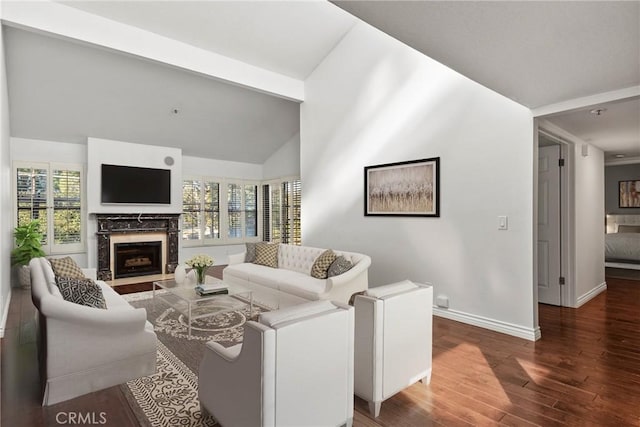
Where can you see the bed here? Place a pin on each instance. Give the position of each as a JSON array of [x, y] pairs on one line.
[[622, 241]]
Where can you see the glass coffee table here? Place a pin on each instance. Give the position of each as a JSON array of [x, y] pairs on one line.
[[184, 299]]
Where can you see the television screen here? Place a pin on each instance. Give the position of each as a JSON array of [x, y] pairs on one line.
[[128, 184]]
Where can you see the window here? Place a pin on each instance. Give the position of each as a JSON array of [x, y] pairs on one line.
[[210, 216], [52, 193], [281, 211], [191, 207]]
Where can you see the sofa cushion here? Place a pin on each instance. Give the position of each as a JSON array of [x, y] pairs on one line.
[[298, 258], [300, 285], [66, 267], [322, 264], [338, 266], [628, 228], [81, 291], [267, 254], [265, 276]]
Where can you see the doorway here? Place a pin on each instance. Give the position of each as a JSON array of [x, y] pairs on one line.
[[549, 238], [553, 220]]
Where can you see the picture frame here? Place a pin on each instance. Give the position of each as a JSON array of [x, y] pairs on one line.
[[410, 188], [629, 194]]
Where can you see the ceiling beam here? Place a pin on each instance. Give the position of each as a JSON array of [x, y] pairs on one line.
[[67, 22], [587, 101]]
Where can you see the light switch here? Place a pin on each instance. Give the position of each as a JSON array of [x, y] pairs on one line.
[[503, 223]]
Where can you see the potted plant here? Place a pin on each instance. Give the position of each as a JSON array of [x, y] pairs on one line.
[[28, 245]]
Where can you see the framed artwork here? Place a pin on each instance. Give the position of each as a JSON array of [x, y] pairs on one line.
[[629, 194], [409, 188]]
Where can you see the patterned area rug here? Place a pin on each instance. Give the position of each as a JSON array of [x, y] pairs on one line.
[[170, 396]]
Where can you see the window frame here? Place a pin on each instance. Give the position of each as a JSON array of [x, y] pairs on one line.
[[52, 248], [223, 211], [292, 239]]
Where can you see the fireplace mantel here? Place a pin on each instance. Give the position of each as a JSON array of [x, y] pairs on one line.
[[109, 224]]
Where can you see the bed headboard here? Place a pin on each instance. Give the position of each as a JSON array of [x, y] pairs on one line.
[[614, 220]]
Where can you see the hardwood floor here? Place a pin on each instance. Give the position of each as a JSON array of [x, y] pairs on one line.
[[584, 371]]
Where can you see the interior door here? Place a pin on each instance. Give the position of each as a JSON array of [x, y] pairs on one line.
[[549, 225]]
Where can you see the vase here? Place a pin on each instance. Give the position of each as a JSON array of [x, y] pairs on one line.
[[200, 274], [24, 276], [180, 274]]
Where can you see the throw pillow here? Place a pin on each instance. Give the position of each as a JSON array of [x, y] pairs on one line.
[[339, 266], [81, 291], [629, 228], [267, 254], [66, 267], [250, 255], [322, 263]]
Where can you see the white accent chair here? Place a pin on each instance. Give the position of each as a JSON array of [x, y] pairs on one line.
[[294, 368], [84, 349], [393, 340]]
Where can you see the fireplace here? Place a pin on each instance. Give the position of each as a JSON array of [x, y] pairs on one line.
[[137, 259], [133, 230]]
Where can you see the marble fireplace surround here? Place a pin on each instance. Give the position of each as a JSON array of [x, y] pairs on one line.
[[140, 227]]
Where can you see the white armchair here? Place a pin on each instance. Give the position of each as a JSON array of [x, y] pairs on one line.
[[393, 339], [294, 368]]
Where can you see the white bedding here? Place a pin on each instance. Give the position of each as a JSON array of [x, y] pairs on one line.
[[622, 246]]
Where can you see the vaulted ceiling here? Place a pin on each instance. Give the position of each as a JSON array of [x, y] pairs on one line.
[[536, 53]]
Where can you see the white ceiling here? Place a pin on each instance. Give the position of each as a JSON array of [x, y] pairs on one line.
[[536, 53], [288, 37], [616, 130]]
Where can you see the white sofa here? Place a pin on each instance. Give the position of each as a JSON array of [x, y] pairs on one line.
[[291, 283], [294, 368], [393, 340], [84, 349]]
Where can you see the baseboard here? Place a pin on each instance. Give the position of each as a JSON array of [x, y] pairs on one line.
[[627, 266], [583, 299], [5, 314], [532, 334]]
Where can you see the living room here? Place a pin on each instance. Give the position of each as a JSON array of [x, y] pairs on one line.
[[370, 100]]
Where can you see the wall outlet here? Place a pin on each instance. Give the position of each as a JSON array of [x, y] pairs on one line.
[[442, 301]]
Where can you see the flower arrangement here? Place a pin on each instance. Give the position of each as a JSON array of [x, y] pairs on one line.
[[200, 263]]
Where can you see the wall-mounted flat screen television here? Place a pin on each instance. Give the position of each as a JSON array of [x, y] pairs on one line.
[[134, 185]]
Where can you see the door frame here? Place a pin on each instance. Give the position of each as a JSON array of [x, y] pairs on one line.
[[567, 210]]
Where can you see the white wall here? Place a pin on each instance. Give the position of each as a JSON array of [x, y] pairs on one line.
[[284, 162], [198, 166], [589, 223], [101, 151], [6, 224], [373, 100], [37, 150]]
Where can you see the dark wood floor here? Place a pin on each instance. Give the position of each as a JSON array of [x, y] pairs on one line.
[[584, 371]]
